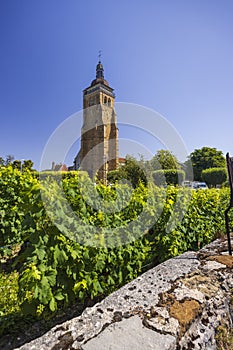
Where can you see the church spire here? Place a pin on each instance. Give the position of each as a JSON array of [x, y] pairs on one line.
[[99, 71], [99, 68]]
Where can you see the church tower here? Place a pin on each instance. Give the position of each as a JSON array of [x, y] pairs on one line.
[[99, 137]]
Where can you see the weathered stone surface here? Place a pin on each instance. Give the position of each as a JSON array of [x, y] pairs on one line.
[[131, 331], [212, 265], [185, 312], [178, 304], [182, 293], [222, 259], [202, 282], [162, 322]]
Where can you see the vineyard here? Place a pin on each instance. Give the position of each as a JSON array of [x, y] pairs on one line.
[[64, 240]]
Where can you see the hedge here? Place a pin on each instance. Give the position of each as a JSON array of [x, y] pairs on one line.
[[168, 177], [84, 241], [214, 176]]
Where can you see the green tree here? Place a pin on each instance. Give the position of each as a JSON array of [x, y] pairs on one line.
[[115, 175], [164, 159], [214, 176], [27, 164], [168, 177], [17, 164], [134, 171], [206, 158]]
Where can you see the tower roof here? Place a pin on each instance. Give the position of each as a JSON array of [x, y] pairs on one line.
[[99, 75]]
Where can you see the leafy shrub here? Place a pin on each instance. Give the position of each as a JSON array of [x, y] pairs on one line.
[[10, 311], [133, 171], [168, 177], [84, 241], [9, 289], [115, 175], [58, 268], [14, 201], [214, 176]]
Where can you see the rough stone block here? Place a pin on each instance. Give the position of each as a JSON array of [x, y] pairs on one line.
[[130, 334]]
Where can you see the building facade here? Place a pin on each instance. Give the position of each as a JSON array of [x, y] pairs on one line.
[[99, 136]]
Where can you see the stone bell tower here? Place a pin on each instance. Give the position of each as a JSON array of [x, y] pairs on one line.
[[99, 138]]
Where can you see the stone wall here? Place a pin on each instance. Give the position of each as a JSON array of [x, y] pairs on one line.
[[99, 141], [176, 305]]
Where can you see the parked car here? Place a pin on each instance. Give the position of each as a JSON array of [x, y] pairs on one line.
[[201, 185], [195, 185], [187, 183]]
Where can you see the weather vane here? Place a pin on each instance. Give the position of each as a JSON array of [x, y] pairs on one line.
[[99, 55]]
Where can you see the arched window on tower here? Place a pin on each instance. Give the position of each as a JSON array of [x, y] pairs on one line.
[[109, 102], [105, 100]]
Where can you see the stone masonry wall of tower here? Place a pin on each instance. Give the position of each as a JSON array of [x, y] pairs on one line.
[[99, 137]]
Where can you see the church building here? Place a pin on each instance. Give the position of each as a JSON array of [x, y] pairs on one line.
[[99, 135]]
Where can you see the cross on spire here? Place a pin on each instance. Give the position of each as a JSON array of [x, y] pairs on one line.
[[99, 67], [99, 55]]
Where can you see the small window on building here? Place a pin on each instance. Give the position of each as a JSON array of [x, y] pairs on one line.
[[109, 101], [105, 100]]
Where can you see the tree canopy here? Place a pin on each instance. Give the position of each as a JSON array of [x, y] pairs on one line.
[[16, 164], [206, 158], [164, 159], [137, 171], [133, 171]]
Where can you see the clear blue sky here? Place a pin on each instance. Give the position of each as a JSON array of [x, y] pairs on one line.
[[174, 56]]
